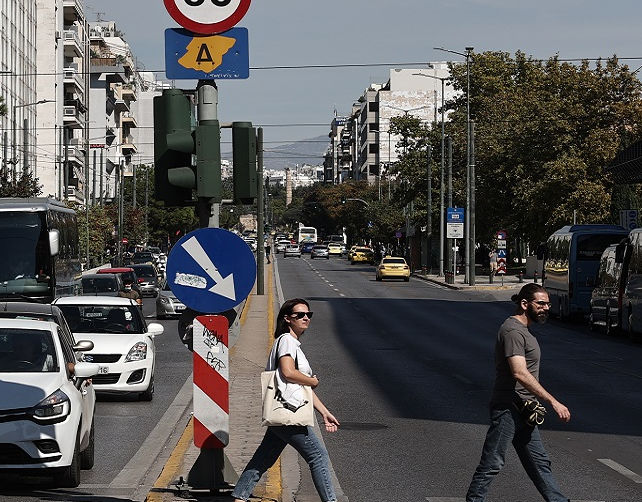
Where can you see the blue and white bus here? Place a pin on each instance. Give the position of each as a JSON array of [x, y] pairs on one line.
[[40, 252], [306, 234], [571, 263]]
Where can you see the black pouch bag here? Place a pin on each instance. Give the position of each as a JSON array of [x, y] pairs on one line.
[[531, 411]]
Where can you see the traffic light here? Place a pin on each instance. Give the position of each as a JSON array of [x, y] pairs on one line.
[[208, 160], [244, 155], [174, 175]]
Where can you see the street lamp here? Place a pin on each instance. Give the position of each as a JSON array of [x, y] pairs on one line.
[[14, 161], [470, 175], [443, 155]]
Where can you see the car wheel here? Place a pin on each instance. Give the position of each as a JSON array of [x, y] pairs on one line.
[[406, 279], [377, 278], [69, 477], [148, 394], [87, 455]]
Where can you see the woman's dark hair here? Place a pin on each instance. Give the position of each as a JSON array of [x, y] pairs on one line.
[[286, 309], [527, 293]]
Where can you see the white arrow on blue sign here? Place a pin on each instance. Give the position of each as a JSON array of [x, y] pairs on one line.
[[211, 270]]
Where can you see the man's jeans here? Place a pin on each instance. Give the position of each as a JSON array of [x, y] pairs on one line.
[[506, 427], [303, 440]]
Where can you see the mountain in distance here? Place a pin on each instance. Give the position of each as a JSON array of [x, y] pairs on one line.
[[307, 151]]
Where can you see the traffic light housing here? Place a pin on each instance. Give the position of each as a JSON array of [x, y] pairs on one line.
[[174, 175], [208, 160], [244, 157]]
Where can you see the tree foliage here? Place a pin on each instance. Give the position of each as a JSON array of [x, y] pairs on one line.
[[544, 131]]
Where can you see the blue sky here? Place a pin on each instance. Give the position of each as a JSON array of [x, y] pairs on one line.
[[329, 32]]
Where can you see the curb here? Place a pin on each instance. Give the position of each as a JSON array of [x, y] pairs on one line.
[[438, 283]]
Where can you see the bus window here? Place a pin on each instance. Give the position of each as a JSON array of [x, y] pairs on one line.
[[591, 247]]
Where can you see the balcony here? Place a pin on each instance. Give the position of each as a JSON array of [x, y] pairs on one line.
[[128, 146], [72, 76], [128, 92], [73, 10], [73, 45], [76, 158], [128, 119], [72, 117], [77, 103]]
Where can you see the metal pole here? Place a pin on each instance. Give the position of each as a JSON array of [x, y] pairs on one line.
[[65, 178], [14, 139], [87, 213], [121, 205], [429, 210], [450, 183], [5, 152], [146, 203], [102, 175], [93, 190], [472, 202], [441, 188], [207, 110], [25, 146], [133, 186], [260, 252], [467, 220]]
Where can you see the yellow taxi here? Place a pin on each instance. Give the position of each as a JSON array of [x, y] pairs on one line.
[[334, 248], [361, 254], [393, 267]]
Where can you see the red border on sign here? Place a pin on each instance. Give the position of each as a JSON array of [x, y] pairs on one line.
[[207, 29]]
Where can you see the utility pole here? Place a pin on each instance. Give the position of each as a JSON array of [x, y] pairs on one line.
[[472, 202], [429, 210], [260, 252]]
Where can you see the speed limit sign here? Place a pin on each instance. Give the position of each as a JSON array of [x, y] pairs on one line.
[[207, 17]]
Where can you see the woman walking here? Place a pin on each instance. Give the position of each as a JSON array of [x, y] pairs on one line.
[[293, 372]]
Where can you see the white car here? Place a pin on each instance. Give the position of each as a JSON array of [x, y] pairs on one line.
[[48, 401], [282, 244], [292, 250], [124, 346], [251, 241]]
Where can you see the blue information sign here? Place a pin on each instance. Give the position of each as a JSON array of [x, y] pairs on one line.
[[211, 270], [191, 56], [455, 215]]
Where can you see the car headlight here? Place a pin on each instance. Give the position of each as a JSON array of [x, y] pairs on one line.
[[164, 299], [52, 409], [137, 353]]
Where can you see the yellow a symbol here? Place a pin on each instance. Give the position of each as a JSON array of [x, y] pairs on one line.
[[206, 53]]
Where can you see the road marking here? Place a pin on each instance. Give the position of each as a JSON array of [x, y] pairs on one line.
[[341, 294], [461, 499], [636, 478]]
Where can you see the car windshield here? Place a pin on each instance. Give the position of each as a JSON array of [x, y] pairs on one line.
[[103, 318], [319, 247], [362, 250], [27, 351], [154, 250], [99, 285], [146, 272]]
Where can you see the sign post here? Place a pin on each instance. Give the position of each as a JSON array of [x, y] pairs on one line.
[[455, 217]]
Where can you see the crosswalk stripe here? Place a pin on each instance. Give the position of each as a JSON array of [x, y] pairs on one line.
[[636, 478]]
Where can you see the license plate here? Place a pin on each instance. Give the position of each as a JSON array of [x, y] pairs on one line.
[[103, 370], [179, 307]]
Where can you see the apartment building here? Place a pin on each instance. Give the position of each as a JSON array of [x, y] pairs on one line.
[[18, 84], [62, 127], [113, 89]]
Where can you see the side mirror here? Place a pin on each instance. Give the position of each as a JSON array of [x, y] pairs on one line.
[[83, 346], [54, 242], [155, 328], [85, 370]]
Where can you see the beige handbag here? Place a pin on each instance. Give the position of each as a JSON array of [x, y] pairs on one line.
[[278, 412]]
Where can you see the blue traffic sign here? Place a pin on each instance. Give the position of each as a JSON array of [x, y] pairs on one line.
[[211, 270], [191, 56], [455, 215]]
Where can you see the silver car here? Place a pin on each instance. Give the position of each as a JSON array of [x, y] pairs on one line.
[[320, 251], [167, 304], [292, 250]]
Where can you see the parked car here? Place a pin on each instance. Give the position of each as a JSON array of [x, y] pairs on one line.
[[306, 247], [155, 252], [127, 274], [360, 255], [102, 284], [143, 257], [48, 401], [124, 347], [251, 241], [292, 250], [167, 304], [147, 278], [334, 248], [319, 251], [393, 267]]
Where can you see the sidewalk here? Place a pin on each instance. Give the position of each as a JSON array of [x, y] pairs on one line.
[[482, 282]]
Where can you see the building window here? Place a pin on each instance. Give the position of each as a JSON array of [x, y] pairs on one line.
[[373, 169], [373, 148], [373, 127], [373, 106]]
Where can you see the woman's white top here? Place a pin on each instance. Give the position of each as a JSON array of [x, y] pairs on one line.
[[291, 393]]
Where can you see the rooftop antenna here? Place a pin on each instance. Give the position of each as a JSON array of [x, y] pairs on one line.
[[99, 16]]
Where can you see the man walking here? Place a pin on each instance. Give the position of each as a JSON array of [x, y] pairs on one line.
[[517, 357]]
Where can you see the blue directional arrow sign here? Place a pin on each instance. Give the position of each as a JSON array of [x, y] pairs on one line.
[[211, 270]]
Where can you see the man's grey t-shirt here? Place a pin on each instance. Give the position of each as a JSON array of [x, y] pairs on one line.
[[513, 339]]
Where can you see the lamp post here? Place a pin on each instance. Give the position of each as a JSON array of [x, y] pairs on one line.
[[470, 175], [443, 155], [14, 134]]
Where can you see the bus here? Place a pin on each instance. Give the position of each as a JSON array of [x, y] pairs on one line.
[[306, 234], [571, 263], [40, 252]]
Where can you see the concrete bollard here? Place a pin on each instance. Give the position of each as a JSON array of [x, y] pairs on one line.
[[535, 277], [520, 277], [491, 277]]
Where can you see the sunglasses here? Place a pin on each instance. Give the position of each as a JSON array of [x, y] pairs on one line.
[[301, 315], [542, 303]]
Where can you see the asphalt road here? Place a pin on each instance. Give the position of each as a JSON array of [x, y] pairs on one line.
[[407, 369], [123, 424]]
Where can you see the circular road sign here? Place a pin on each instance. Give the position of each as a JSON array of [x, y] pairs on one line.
[[207, 17]]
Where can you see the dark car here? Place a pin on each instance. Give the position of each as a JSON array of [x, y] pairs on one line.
[[143, 257], [147, 278], [102, 284], [306, 247], [127, 274]]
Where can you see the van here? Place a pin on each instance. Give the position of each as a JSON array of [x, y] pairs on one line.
[[606, 299]]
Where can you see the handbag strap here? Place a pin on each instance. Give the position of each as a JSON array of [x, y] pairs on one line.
[[276, 354]]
